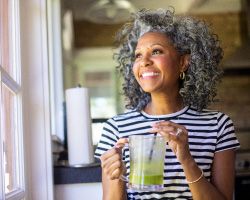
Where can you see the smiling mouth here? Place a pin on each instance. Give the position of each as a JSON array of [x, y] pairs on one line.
[[149, 74]]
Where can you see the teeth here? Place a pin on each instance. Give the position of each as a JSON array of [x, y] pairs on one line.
[[147, 74]]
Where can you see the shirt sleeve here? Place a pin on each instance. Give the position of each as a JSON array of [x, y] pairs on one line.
[[108, 138], [226, 138]]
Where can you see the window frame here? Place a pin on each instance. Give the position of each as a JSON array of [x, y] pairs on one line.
[[36, 100], [18, 152], [13, 83]]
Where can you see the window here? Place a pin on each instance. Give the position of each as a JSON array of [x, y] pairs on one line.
[[11, 135], [94, 68]]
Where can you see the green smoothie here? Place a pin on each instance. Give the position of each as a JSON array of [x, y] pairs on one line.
[[147, 173], [147, 154], [146, 179]]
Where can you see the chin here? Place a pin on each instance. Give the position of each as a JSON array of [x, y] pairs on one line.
[[148, 90]]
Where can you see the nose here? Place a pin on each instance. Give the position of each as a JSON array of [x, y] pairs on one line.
[[146, 61]]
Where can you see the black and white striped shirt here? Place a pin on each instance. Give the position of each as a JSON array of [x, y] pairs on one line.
[[208, 132]]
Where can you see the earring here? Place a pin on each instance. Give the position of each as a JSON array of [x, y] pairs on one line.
[[182, 75]]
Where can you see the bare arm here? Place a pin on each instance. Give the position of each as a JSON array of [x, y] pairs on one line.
[[113, 189], [223, 172], [112, 168], [222, 183]]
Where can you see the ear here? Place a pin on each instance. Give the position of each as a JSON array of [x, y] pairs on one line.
[[185, 59]]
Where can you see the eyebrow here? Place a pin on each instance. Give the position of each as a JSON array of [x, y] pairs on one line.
[[155, 44]]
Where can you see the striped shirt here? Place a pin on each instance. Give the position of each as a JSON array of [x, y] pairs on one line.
[[208, 132]]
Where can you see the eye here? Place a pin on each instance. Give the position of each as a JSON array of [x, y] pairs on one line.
[[157, 52], [138, 55]]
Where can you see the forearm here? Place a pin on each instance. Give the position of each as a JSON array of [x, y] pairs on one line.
[[202, 189], [113, 189]]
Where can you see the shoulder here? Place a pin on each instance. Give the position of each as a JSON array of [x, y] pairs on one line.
[[130, 114], [204, 113], [218, 123], [122, 118], [217, 117]]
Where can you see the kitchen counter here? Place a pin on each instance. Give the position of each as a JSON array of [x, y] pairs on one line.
[[83, 174]]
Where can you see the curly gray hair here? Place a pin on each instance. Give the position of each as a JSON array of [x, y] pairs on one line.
[[189, 36]]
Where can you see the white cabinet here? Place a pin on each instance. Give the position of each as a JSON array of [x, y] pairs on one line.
[[82, 191]]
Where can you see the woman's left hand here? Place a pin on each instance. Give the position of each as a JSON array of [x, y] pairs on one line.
[[177, 137]]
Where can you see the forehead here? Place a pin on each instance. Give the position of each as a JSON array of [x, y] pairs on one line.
[[152, 38]]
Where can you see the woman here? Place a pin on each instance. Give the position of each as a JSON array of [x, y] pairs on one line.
[[170, 70]]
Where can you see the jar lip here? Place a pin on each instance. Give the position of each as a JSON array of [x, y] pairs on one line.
[[146, 136]]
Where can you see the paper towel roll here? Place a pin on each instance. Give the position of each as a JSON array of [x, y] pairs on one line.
[[79, 132]]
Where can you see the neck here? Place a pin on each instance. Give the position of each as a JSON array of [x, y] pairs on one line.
[[164, 106]]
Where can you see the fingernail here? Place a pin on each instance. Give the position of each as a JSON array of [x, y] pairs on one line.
[[117, 146], [153, 129], [172, 133], [159, 121], [154, 124]]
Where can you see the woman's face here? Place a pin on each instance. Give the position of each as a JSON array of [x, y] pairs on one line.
[[157, 64]]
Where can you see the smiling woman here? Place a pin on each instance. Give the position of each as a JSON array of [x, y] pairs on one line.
[[170, 68], [155, 64]]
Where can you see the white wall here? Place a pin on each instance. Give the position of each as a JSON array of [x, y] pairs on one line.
[[86, 191]]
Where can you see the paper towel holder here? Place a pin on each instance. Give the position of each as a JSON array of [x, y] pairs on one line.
[[79, 127]]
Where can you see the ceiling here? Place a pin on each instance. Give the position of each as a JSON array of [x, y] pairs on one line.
[[80, 7]]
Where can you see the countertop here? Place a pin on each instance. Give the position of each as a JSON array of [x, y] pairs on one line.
[[90, 173]]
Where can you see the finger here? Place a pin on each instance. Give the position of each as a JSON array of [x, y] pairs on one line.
[[121, 143], [164, 123], [179, 131], [170, 127], [171, 133], [173, 127], [163, 129], [108, 154], [110, 158], [109, 165], [168, 136], [114, 170], [167, 126], [117, 148], [115, 174]]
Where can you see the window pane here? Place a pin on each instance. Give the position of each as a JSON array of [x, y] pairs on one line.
[[8, 128], [6, 8], [4, 34], [96, 132], [102, 93]]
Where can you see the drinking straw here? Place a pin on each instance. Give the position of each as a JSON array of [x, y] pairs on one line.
[[152, 147]]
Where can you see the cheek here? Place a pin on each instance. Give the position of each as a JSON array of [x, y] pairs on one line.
[[135, 69], [166, 61], [168, 64]]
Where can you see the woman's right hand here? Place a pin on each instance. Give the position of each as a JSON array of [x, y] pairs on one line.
[[111, 161]]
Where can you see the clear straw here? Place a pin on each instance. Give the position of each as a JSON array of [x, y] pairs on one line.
[[152, 148]]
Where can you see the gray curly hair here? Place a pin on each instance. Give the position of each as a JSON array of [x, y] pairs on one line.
[[189, 36]]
